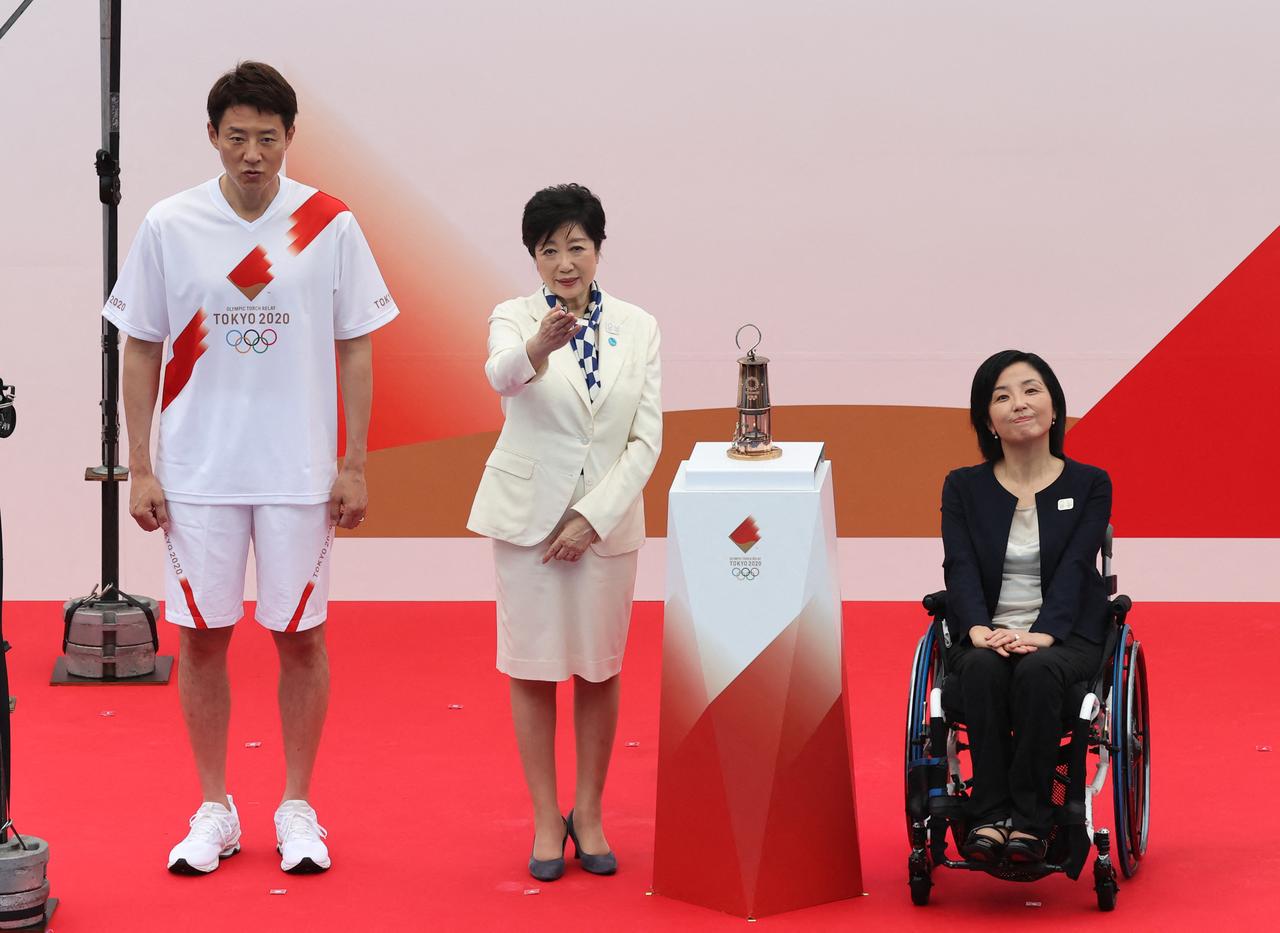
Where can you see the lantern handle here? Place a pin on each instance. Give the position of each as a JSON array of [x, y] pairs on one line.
[[751, 353]]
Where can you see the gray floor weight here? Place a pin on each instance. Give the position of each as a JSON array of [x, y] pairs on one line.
[[111, 640], [24, 887]]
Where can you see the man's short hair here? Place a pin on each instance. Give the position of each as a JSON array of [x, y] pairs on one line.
[[257, 85]]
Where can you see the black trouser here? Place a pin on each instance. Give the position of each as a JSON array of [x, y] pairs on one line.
[[1013, 711]]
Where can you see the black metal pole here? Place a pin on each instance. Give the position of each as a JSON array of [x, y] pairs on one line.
[[5, 756], [108, 164]]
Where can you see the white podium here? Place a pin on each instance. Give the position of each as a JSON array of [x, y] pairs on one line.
[[755, 811]]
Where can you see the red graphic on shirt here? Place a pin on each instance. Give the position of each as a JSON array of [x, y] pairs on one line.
[[253, 274], [745, 535], [196, 617], [187, 348], [312, 217]]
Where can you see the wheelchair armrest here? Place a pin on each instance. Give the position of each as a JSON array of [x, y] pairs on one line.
[[1119, 608], [936, 603]]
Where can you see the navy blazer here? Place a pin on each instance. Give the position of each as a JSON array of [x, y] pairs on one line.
[[1073, 512]]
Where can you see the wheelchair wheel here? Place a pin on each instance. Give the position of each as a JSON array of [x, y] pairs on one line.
[[1107, 892], [921, 884], [1131, 735], [923, 671]]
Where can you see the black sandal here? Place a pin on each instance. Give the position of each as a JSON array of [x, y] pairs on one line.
[[982, 848], [1026, 850]]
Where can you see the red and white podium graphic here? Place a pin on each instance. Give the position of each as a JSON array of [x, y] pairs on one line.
[[755, 807]]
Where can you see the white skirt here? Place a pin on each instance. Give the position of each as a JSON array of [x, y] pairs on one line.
[[562, 618]]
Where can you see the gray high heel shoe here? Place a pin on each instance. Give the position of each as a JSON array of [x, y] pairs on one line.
[[605, 864], [549, 869]]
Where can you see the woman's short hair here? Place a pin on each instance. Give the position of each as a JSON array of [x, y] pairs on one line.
[[257, 85], [552, 208], [984, 383]]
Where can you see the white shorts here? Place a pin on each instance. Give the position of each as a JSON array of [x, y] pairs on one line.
[[207, 551]]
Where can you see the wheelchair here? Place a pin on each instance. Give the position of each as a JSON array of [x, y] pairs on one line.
[[1107, 718]]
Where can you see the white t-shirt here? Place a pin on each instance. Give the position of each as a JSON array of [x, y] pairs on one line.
[[251, 311]]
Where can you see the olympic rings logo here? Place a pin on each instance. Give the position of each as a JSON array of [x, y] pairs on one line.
[[251, 340], [746, 573]]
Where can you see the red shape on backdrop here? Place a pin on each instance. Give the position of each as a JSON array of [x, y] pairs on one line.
[[253, 274], [311, 218], [188, 347], [1191, 430]]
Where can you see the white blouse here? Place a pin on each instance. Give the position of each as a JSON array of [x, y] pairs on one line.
[[1020, 596]]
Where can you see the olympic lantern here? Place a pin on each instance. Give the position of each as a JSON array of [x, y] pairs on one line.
[[755, 809]]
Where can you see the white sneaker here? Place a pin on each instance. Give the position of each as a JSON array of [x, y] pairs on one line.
[[300, 839], [214, 835]]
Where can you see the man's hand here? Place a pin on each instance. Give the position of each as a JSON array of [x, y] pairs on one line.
[[573, 540], [348, 499], [146, 502]]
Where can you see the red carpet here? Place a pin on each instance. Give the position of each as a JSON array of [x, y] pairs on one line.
[[428, 817]]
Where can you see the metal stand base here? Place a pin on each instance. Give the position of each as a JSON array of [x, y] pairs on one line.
[[42, 925], [49, 907], [773, 453], [159, 677]]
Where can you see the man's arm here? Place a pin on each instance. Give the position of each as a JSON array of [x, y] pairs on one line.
[[350, 496], [141, 382]]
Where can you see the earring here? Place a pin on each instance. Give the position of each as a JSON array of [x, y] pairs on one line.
[[995, 435]]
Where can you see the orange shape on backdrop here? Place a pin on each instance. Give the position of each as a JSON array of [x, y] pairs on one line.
[[429, 381]]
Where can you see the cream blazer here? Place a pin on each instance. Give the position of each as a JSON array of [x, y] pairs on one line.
[[553, 433]]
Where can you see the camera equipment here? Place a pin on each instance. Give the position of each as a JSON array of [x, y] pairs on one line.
[[24, 887], [110, 636], [8, 414]]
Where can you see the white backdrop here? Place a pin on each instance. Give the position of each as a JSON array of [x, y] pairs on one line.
[[891, 190]]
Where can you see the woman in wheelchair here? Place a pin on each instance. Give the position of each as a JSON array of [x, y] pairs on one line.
[[1028, 608]]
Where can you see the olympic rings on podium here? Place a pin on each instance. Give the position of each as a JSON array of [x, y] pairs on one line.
[[746, 573], [248, 340]]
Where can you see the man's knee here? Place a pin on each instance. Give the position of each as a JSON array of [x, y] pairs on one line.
[[201, 647], [301, 648]]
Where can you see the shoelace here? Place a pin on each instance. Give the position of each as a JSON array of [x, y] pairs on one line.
[[300, 822], [210, 826]]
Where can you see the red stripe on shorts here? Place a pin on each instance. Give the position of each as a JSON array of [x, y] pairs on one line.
[[302, 605], [191, 603]]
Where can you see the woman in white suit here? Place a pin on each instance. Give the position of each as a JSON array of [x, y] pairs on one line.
[[579, 376]]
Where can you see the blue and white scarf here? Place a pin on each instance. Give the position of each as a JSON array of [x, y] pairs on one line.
[[585, 341]]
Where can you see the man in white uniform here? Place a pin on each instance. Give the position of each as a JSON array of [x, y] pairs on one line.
[[253, 279]]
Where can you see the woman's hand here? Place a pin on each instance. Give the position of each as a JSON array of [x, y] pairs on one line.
[[1006, 642], [557, 326], [981, 636], [572, 541]]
